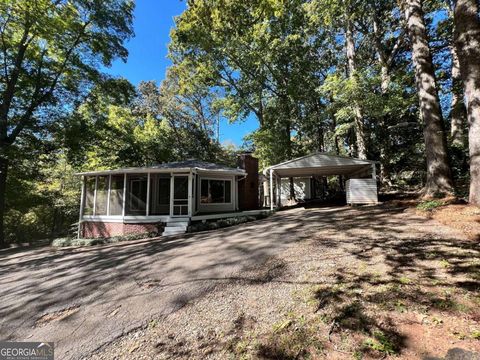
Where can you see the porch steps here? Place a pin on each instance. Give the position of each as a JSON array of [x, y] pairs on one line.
[[176, 226]]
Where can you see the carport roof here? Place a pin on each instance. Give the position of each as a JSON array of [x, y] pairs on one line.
[[321, 164]]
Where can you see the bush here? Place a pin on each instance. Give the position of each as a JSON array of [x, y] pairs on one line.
[[221, 223], [62, 242]]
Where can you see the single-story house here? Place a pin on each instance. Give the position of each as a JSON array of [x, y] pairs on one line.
[[169, 196]]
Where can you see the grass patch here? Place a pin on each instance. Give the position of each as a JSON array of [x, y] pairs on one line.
[[444, 263], [405, 280], [475, 334], [380, 342], [430, 205]]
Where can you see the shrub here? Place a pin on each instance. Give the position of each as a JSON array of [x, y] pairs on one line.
[[62, 242], [221, 223]]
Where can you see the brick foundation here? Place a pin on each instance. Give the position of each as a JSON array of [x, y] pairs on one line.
[[95, 229]]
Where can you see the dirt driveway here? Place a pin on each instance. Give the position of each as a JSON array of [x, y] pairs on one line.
[[83, 299]]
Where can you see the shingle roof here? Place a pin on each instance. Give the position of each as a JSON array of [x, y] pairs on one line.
[[321, 164], [187, 165], [193, 163]]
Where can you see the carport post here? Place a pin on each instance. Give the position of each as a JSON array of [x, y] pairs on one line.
[[271, 189], [278, 181], [82, 205]]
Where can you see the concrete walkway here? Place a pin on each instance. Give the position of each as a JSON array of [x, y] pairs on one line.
[[84, 298]]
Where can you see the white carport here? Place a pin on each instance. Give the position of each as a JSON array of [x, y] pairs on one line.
[[318, 164]]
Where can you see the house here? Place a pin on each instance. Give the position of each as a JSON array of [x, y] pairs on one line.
[[360, 175], [168, 196]]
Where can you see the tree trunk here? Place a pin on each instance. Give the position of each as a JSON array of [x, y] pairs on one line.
[[467, 42], [458, 110], [292, 189], [3, 192], [384, 138], [359, 125], [439, 177], [335, 137]]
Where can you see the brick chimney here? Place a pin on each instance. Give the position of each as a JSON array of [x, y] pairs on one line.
[[248, 187]]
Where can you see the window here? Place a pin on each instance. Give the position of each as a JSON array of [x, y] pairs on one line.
[[116, 195], [136, 195], [215, 191]]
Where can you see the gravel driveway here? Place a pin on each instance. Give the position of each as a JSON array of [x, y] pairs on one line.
[[85, 298]]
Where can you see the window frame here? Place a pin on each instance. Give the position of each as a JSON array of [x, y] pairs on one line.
[[215, 179]]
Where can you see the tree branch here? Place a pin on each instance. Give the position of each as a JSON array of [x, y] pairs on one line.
[[36, 102]]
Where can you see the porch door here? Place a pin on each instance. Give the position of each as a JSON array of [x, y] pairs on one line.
[[180, 195]]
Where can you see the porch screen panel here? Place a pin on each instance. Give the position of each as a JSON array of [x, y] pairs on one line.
[[159, 194], [136, 195], [89, 195], [116, 195], [102, 195], [180, 195]]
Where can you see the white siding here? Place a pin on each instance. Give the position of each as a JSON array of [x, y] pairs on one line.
[[211, 208], [361, 191], [301, 186]]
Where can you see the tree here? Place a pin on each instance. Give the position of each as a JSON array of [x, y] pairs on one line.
[[467, 43], [51, 50], [352, 73], [439, 178]]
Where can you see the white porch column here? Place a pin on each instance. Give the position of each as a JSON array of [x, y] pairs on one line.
[[82, 204], [172, 183], [374, 171], [279, 192], [124, 200], [147, 210], [95, 196], [271, 189], [108, 193], [190, 196]]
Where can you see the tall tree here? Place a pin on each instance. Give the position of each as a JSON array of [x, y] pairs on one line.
[[387, 47], [467, 42], [458, 111], [439, 178], [50, 50], [352, 73]]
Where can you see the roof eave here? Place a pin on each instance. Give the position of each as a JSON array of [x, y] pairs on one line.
[[159, 170]]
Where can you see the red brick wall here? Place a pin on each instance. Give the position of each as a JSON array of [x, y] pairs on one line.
[[94, 229], [248, 187]]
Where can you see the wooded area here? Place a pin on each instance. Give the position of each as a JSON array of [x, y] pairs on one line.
[[391, 80]]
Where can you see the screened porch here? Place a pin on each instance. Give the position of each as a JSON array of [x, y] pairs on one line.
[[137, 195]]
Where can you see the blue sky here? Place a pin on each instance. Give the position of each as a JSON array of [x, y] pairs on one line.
[[148, 60]]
